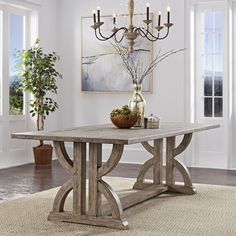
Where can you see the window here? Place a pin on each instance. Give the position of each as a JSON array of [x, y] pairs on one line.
[[13, 33], [16, 44], [212, 62], [212, 81], [18, 28]]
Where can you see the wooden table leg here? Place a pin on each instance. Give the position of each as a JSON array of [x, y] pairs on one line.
[[116, 204], [170, 145], [77, 170], [97, 187], [171, 162], [156, 162], [95, 158], [79, 179]]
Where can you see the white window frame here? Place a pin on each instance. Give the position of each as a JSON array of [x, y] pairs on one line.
[[198, 82], [6, 11]]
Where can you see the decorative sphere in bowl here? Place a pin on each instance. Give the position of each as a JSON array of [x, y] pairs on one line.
[[123, 118]]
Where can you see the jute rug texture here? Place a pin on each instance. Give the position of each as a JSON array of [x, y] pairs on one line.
[[212, 211]]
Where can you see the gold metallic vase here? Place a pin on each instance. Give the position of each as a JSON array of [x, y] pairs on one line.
[[137, 103]]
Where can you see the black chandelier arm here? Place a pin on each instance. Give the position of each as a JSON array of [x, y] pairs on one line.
[[167, 33], [153, 38], [101, 39], [149, 33], [141, 32], [145, 35], [100, 33], [104, 38], [118, 41]]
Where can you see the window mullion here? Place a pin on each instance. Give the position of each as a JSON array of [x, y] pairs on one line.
[[213, 67]]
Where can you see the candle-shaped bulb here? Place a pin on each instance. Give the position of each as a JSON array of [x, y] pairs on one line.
[[159, 18], [98, 8], [168, 14], [114, 18], [94, 16], [147, 11], [98, 11]]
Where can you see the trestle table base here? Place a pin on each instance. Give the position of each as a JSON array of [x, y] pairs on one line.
[[111, 213]]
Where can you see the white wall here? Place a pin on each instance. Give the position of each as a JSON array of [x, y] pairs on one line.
[[48, 33]]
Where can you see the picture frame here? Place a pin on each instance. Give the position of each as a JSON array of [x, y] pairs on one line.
[[101, 67]]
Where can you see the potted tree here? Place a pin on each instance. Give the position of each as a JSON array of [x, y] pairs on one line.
[[39, 77]]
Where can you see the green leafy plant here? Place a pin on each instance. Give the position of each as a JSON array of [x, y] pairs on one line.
[[16, 97], [39, 77], [123, 111]]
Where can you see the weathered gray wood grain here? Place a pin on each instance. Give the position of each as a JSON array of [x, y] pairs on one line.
[[105, 221], [96, 136], [157, 161], [135, 197], [79, 179], [112, 135], [95, 156]]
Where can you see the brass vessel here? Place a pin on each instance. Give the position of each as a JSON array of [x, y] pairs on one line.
[[137, 104]]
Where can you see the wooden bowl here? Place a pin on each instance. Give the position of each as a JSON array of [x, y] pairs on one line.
[[124, 121]]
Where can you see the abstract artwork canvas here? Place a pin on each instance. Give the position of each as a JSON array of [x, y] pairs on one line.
[[102, 69]]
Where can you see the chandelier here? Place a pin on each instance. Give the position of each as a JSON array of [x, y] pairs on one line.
[[131, 32]]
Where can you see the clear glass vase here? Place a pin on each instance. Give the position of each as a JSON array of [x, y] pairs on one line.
[[137, 103]]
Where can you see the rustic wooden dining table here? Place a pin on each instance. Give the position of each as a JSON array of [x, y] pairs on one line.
[[92, 210]]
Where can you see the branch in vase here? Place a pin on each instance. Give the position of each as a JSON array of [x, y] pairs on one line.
[[159, 58], [134, 66], [125, 63]]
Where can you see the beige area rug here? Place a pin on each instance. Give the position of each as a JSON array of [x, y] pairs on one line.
[[212, 211]]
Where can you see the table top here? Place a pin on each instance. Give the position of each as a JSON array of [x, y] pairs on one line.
[[107, 133]]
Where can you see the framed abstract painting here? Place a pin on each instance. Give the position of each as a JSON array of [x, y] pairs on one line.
[[101, 65]]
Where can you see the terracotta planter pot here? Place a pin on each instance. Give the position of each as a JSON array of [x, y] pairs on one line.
[[43, 155]]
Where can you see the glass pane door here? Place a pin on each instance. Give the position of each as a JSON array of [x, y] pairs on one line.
[[16, 44]]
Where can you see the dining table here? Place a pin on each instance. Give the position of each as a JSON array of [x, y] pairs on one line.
[[88, 206]]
